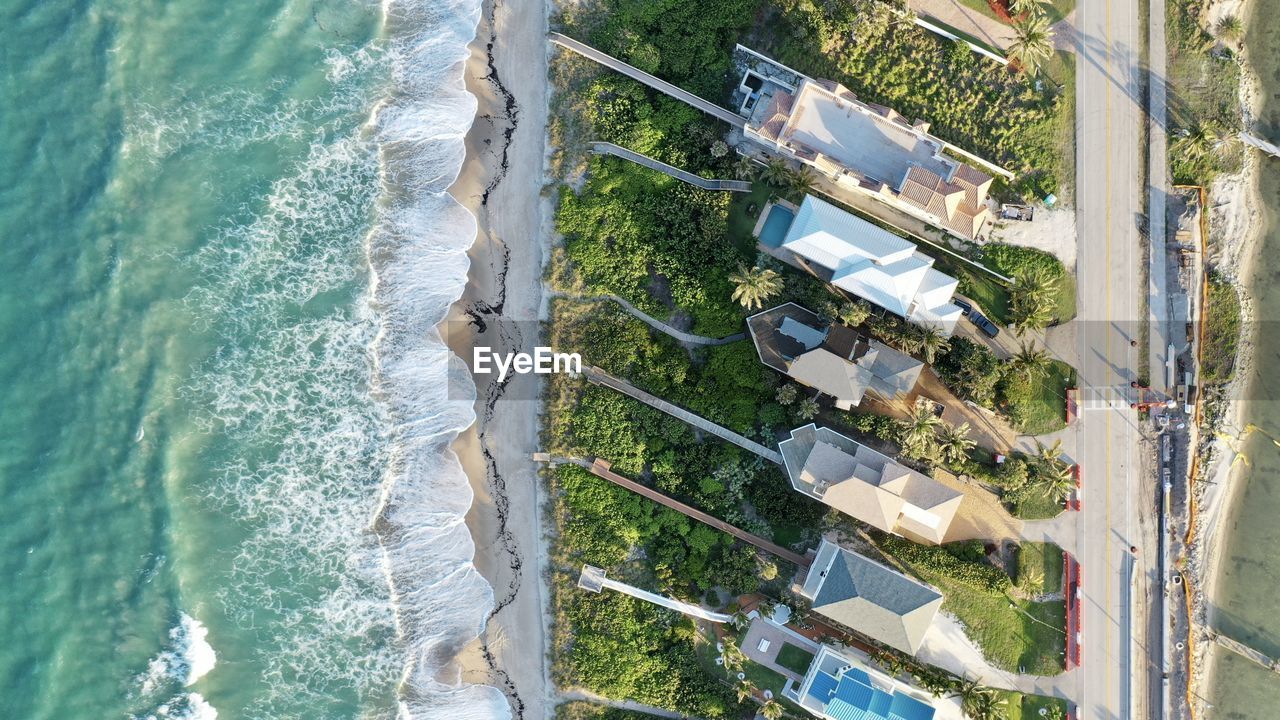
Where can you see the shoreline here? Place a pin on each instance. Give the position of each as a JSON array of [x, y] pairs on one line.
[[1235, 232], [501, 185]]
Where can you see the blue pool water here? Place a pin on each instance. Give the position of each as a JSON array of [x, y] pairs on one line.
[[776, 226]]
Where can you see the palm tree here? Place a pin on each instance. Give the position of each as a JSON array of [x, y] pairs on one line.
[[807, 409], [771, 710], [1033, 44], [1031, 578], [980, 703], [853, 313], [775, 172], [733, 657], [918, 430], [929, 341], [1030, 362], [744, 169], [1230, 29], [801, 181], [954, 442], [1204, 138], [1057, 482], [1048, 455], [755, 285], [1026, 7], [1030, 299], [745, 690]]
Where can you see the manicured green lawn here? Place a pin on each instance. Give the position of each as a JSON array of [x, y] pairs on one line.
[[1039, 568], [1038, 507], [1039, 406], [1014, 635], [794, 658], [764, 678], [741, 222], [990, 294], [1027, 707]]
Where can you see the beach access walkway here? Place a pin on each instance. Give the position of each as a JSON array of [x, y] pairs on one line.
[[600, 377], [679, 335], [594, 579], [1269, 148], [660, 85], [602, 469], [608, 148]]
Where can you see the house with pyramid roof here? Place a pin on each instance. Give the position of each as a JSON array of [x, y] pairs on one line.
[[871, 599]]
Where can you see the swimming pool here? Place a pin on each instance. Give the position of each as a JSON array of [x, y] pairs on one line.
[[776, 225]]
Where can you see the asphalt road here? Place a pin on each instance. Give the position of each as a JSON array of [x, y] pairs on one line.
[[1109, 115]]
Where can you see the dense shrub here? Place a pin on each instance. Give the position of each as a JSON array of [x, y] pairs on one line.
[[1221, 331], [628, 648], [971, 370], [879, 426], [979, 575], [652, 240], [975, 103], [1013, 260], [682, 42]]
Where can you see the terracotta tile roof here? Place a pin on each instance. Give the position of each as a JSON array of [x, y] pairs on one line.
[[777, 112], [930, 192], [975, 183]]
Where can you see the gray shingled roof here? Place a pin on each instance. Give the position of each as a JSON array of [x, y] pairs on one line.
[[878, 602]]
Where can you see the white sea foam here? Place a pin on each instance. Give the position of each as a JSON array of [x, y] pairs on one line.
[[357, 573], [188, 657]]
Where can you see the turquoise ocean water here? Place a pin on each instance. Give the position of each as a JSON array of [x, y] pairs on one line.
[[1247, 600], [225, 488]]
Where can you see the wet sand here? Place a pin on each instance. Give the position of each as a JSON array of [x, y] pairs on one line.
[[501, 183]]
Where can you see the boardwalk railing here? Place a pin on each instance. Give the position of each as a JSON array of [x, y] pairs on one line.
[[601, 468], [593, 579], [608, 148], [600, 377], [636, 73]]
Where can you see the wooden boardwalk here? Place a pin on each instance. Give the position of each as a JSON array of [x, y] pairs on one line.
[[660, 85], [601, 468], [653, 322], [608, 148], [1256, 656], [600, 377]]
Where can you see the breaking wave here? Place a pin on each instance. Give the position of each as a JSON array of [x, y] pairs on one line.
[[335, 391], [188, 658]]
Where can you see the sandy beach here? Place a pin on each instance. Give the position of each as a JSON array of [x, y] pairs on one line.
[[501, 183]]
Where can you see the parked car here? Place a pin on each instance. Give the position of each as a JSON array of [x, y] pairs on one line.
[[965, 307], [984, 324]]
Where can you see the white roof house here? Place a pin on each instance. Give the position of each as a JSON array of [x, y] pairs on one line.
[[873, 263]]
